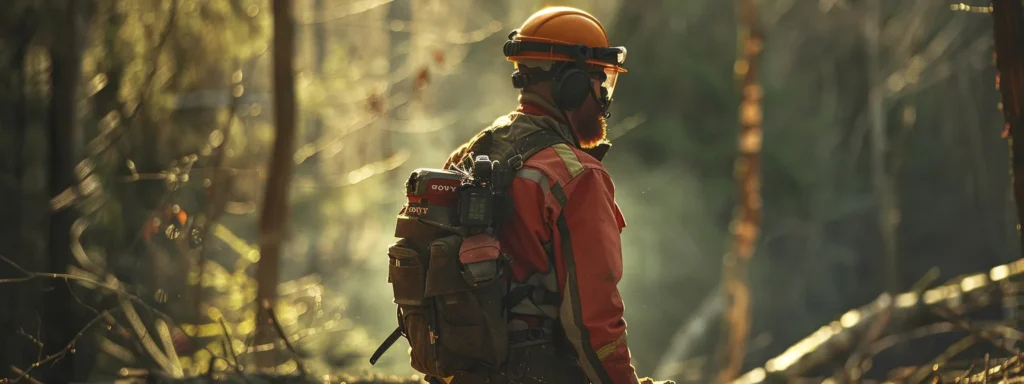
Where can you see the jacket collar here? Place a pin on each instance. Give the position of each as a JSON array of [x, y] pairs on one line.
[[533, 104]]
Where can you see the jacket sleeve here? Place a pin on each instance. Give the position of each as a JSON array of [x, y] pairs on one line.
[[590, 255]]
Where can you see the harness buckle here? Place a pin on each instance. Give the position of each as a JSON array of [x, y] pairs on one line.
[[516, 162]]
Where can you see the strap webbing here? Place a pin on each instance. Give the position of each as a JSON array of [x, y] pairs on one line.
[[517, 151], [392, 338], [536, 142]]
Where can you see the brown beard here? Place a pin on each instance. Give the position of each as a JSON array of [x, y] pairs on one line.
[[591, 132]]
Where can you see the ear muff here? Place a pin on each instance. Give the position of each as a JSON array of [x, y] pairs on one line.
[[570, 87]]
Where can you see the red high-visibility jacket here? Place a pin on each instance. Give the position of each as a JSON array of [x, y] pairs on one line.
[[565, 201]]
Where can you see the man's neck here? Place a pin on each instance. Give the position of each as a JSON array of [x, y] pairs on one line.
[[533, 104]]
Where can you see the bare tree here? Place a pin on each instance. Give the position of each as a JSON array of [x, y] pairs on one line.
[[746, 224], [883, 182], [1009, 18], [14, 117], [65, 140], [275, 203]]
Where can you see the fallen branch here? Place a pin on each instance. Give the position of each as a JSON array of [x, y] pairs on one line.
[[835, 340], [69, 348], [956, 348], [852, 369], [126, 300], [110, 287], [25, 374], [980, 334]]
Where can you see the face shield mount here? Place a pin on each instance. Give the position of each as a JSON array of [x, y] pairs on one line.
[[604, 100]]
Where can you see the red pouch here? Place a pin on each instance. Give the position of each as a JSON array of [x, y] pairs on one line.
[[480, 256]]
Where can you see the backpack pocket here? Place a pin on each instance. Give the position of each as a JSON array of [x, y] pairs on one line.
[[481, 259], [471, 318], [415, 321], [443, 276], [407, 274], [416, 313], [475, 323]]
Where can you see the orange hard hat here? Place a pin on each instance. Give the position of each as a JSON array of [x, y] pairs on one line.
[[564, 34]]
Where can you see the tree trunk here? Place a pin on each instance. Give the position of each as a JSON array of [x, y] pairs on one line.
[[275, 203], [1008, 23], [889, 214], [746, 224], [59, 320], [16, 299]]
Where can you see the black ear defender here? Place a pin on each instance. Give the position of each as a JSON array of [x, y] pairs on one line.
[[571, 85]]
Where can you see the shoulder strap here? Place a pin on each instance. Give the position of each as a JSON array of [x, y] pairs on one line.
[[516, 152], [512, 153], [532, 143]]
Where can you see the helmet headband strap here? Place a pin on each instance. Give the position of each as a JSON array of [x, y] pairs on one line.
[[606, 55]]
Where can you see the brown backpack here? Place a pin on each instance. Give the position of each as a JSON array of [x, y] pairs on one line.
[[447, 270]]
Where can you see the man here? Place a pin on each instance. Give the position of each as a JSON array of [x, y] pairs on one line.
[[565, 321]]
